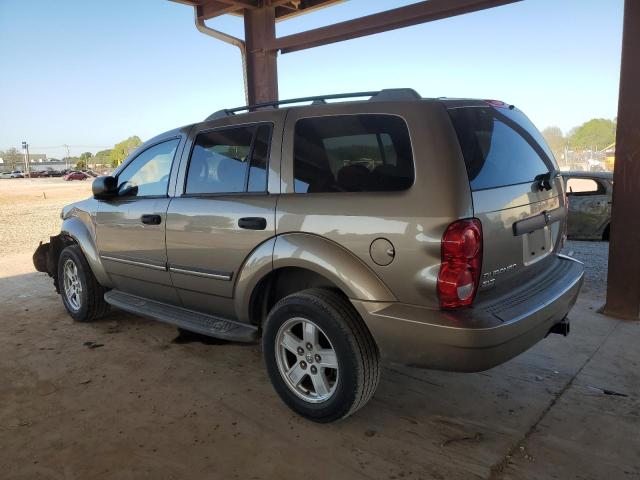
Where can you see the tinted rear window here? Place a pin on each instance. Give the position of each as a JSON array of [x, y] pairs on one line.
[[352, 153], [500, 146]]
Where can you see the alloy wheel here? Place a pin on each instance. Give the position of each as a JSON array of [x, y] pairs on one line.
[[306, 360], [72, 285]]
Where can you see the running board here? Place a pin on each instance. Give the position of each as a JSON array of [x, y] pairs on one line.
[[182, 317]]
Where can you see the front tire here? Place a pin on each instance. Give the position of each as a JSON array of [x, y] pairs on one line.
[[321, 359], [82, 295]]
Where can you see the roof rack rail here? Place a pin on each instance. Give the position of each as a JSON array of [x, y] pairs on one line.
[[386, 95]]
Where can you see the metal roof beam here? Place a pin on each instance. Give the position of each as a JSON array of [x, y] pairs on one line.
[[414, 14]]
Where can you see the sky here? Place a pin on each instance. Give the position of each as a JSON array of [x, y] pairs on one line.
[[92, 73]]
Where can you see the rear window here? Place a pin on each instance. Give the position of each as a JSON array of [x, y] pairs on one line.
[[352, 153], [500, 147]]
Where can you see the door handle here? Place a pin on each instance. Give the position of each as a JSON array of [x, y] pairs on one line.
[[151, 219], [253, 223]]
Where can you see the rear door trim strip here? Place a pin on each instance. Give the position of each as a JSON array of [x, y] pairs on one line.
[[200, 273]]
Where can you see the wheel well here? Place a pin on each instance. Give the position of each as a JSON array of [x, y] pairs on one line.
[[281, 283], [606, 233]]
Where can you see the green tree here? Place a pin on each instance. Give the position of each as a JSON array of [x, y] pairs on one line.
[[556, 141], [84, 160], [102, 157], [121, 150], [71, 161], [596, 133]]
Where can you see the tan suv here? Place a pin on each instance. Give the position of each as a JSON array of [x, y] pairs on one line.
[[420, 231]]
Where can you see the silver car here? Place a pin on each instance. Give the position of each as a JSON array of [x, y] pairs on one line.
[[12, 174], [410, 230]]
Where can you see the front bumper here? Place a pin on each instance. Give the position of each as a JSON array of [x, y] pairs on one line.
[[480, 337]]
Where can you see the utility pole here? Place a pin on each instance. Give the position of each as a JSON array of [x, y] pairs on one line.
[[25, 147], [66, 159]]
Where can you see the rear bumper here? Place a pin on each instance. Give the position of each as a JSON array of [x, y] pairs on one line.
[[477, 338]]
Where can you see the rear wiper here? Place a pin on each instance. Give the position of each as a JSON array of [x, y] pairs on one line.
[[544, 179]]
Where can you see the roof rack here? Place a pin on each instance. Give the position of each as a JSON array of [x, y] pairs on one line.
[[386, 95]]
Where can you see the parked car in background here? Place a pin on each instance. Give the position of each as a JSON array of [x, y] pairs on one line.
[[421, 231], [76, 176], [39, 174], [90, 173], [589, 195], [12, 174], [55, 173]]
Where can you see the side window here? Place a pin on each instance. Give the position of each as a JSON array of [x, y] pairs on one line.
[[226, 161], [148, 174], [583, 187], [352, 153]]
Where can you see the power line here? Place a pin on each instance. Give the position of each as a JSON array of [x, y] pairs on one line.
[[71, 146]]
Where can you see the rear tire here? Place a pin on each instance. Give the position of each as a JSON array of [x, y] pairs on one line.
[[328, 378], [82, 295]]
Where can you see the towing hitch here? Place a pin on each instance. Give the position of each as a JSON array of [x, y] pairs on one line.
[[561, 328]]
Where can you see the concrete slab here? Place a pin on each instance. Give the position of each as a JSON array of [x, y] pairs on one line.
[[119, 399]]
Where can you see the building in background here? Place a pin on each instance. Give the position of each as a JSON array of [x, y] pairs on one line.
[[37, 162]]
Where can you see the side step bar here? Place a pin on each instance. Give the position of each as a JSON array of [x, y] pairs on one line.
[[183, 318]]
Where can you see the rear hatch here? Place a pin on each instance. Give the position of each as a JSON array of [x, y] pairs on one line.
[[516, 192]]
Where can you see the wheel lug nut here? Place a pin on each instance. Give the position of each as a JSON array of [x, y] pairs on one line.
[[300, 351], [309, 346], [303, 365], [314, 369], [317, 358]]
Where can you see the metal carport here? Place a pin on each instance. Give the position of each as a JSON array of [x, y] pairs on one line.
[[259, 51]]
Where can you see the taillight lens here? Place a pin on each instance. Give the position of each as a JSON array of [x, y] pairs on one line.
[[461, 263]]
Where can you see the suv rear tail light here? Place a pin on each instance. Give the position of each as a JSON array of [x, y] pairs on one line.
[[461, 263]]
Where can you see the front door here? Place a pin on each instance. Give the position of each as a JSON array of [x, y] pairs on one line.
[[224, 212], [130, 228]]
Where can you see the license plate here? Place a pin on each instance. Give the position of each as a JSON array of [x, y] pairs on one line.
[[536, 245]]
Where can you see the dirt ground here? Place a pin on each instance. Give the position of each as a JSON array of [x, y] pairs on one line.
[[126, 398], [30, 210]]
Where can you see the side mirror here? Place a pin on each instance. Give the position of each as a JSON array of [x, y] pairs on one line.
[[104, 187]]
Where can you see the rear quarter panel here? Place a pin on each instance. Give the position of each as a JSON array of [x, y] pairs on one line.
[[412, 220]]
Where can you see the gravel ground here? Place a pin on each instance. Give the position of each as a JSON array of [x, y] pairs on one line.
[[595, 256], [30, 210]]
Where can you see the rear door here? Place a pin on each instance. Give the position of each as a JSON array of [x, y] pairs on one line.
[[516, 194], [223, 210]]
